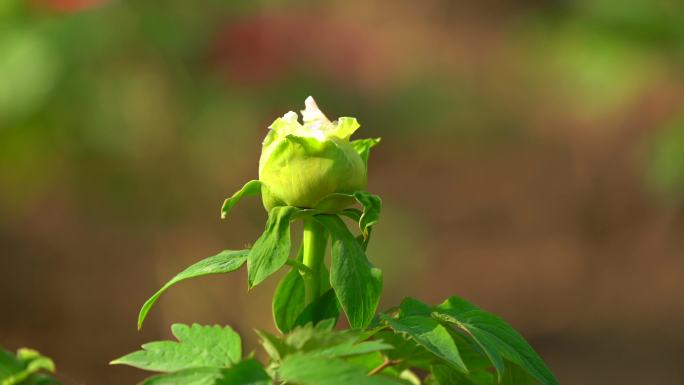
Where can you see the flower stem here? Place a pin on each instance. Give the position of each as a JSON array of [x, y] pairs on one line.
[[314, 242]]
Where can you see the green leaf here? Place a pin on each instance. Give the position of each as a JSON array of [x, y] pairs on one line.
[[42, 379], [495, 337], [271, 250], [192, 376], [9, 365], [446, 375], [308, 338], [356, 282], [288, 301], [372, 204], [253, 187], [248, 372], [430, 334], [411, 306], [406, 350], [320, 341], [351, 349], [325, 307], [289, 309], [199, 346], [312, 370], [363, 147], [23, 367], [223, 262], [515, 375], [275, 347]]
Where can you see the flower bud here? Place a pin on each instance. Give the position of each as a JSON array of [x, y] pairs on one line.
[[303, 163]]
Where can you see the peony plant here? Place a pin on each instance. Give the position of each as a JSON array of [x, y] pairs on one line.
[[311, 171]]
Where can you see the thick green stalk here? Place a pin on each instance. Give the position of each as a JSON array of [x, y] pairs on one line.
[[314, 243]]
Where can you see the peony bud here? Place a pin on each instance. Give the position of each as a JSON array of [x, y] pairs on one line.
[[301, 164]]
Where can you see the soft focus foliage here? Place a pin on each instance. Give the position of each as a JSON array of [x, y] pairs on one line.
[[538, 142]]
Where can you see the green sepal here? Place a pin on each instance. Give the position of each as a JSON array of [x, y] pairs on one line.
[[270, 252], [197, 347], [363, 147], [253, 187], [372, 204], [366, 218], [357, 283], [223, 262]]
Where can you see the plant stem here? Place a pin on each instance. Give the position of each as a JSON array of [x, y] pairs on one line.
[[314, 243], [384, 365]]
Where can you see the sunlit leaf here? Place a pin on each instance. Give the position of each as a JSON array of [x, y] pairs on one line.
[[197, 347], [312, 370], [223, 262], [253, 187], [496, 338], [271, 250], [431, 335], [356, 282]]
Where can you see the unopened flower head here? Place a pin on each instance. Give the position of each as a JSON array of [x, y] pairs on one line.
[[303, 163]]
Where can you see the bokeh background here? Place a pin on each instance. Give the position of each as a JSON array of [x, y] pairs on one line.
[[532, 161]]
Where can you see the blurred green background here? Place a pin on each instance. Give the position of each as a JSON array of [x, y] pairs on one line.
[[532, 161]]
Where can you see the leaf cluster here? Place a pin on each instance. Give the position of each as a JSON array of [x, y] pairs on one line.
[[453, 343], [27, 367]]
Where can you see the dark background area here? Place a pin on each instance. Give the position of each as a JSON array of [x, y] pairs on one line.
[[532, 161]]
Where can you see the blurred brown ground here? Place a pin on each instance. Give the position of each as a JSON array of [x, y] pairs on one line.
[[516, 168]]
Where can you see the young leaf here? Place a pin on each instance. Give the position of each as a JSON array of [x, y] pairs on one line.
[[288, 301], [495, 337], [247, 372], [253, 187], [356, 282], [198, 346], [223, 262], [363, 146], [271, 250], [431, 335], [191, 376], [311, 370]]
